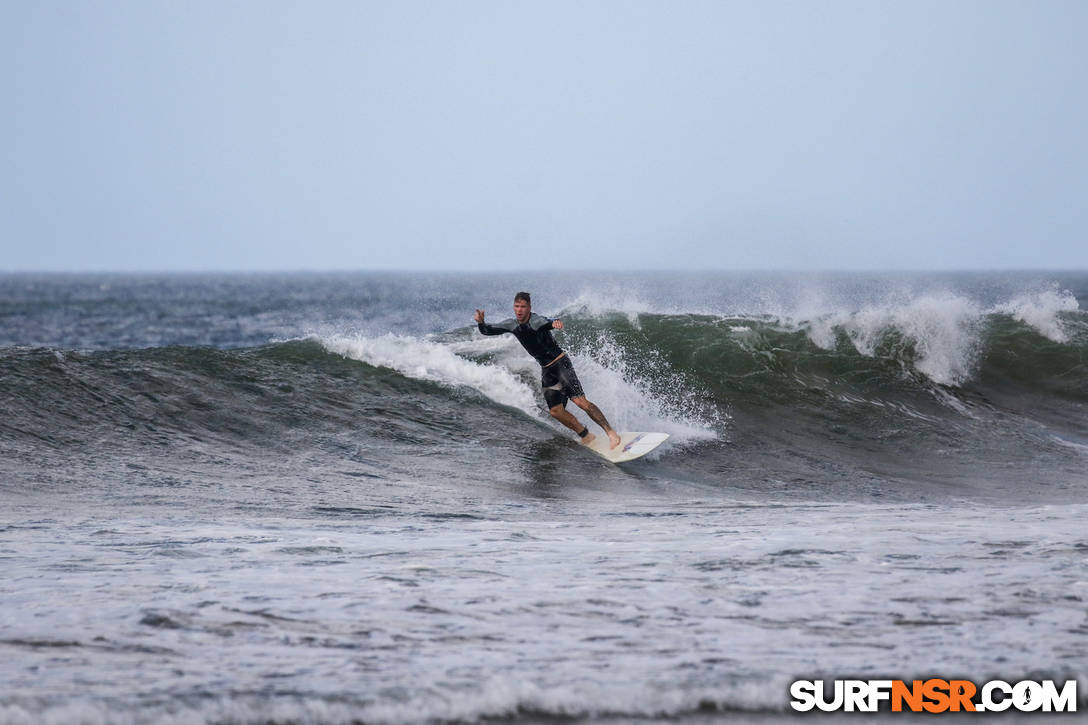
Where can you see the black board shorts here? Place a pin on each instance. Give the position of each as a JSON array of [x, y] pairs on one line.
[[560, 382]]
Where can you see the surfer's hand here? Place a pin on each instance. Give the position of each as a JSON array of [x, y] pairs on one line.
[[557, 324], [479, 315]]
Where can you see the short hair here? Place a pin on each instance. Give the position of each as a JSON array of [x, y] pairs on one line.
[[523, 296]]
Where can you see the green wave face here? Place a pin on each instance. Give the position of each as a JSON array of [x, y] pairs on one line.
[[807, 401], [777, 361]]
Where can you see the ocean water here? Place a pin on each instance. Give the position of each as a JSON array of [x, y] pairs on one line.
[[326, 498]]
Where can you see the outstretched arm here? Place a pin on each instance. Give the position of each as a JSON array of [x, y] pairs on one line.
[[486, 328]]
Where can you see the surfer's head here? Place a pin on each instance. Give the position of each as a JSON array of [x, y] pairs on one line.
[[523, 307]]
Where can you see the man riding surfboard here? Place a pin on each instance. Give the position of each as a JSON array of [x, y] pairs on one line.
[[557, 376]]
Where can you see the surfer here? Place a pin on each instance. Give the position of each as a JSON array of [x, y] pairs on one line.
[[558, 379]]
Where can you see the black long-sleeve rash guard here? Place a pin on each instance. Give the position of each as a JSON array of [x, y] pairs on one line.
[[535, 336]]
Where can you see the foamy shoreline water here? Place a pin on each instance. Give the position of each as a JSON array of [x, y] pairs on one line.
[[653, 610]]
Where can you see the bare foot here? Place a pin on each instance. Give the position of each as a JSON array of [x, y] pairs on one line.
[[614, 438], [588, 439]]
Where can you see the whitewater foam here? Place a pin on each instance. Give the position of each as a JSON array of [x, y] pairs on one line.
[[497, 697], [436, 362], [628, 404]]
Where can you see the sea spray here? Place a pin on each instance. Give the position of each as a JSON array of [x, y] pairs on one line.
[[1042, 311], [939, 335]]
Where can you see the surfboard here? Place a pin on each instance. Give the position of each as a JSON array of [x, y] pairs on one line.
[[632, 446]]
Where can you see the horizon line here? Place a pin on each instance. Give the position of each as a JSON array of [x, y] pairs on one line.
[[545, 270]]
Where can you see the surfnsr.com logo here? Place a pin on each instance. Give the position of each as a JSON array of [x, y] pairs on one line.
[[932, 695]]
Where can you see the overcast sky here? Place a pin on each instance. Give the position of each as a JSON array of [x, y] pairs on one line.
[[191, 135]]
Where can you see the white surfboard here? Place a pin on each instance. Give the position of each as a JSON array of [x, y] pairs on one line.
[[632, 446]]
